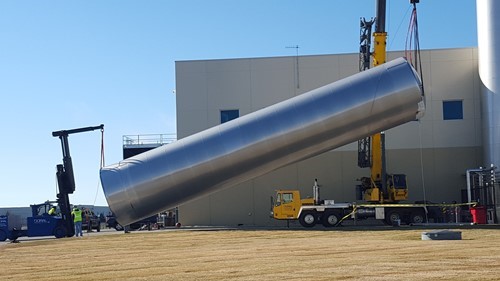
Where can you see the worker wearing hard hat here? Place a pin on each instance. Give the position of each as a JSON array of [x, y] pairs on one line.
[[77, 219], [52, 211]]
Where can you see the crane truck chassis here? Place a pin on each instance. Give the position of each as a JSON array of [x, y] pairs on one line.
[[288, 205]]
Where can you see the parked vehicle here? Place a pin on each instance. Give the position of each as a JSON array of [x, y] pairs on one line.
[[146, 223], [289, 205], [90, 220]]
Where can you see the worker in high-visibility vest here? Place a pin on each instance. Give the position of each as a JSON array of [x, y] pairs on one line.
[[52, 211], [77, 219]]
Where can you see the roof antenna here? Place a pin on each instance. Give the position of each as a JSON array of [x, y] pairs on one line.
[[296, 47]]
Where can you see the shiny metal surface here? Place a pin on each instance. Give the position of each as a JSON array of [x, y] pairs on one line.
[[262, 141], [488, 33]]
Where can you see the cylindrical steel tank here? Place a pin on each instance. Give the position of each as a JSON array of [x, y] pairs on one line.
[[488, 37], [260, 142]]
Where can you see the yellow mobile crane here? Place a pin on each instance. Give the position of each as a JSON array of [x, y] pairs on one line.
[[381, 190], [380, 187]]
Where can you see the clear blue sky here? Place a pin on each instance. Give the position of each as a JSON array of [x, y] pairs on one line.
[[70, 64]]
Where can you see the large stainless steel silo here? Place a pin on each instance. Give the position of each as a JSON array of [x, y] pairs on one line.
[[488, 33], [488, 37], [260, 142]]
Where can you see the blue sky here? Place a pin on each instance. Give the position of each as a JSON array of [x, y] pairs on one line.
[[70, 64]]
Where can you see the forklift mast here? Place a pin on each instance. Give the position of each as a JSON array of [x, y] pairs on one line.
[[66, 177]]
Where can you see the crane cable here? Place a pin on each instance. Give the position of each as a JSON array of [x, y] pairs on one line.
[[101, 165], [412, 41], [397, 29]]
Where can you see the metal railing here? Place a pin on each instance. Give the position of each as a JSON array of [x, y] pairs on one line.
[[148, 140]]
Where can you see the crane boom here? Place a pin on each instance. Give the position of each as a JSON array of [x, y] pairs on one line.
[[379, 57], [379, 187]]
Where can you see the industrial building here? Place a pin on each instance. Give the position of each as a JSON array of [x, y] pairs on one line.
[[248, 127], [434, 153]]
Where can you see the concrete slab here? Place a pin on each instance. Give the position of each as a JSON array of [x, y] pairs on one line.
[[442, 235]]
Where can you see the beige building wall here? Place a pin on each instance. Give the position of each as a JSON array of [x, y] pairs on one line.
[[433, 153]]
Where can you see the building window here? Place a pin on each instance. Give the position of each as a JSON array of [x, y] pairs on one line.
[[228, 115], [453, 110]]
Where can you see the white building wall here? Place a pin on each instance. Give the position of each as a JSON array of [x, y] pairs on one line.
[[445, 147]]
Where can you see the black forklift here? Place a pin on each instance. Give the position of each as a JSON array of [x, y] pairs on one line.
[[41, 223]]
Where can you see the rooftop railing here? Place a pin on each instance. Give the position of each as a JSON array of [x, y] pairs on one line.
[[148, 140]]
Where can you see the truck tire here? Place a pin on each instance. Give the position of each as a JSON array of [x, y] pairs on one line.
[[391, 216], [3, 236], [60, 232], [308, 218], [330, 219], [99, 227], [417, 216]]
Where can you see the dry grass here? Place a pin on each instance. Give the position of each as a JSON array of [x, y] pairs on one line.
[[256, 255]]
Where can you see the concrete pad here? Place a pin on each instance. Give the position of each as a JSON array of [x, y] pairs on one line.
[[442, 235]]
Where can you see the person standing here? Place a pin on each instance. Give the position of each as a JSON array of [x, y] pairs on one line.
[[77, 219]]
